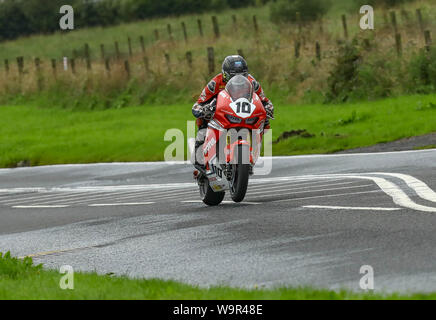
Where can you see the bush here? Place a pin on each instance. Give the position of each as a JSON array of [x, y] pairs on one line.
[[286, 10], [344, 76], [14, 268], [356, 77], [422, 72]]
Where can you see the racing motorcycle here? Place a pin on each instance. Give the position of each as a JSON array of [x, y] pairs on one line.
[[233, 142]]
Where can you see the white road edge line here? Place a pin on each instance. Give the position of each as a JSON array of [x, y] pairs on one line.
[[119, 204], [352, 208], [39, 207]]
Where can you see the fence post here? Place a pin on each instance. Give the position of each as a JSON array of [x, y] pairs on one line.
[[200, 27], [20, 62], [170, 33], [53, 67], [420, 20], [256, 27], [107, 66], [211, 60], [318, 51], [189, 59], [156, 34], [297, 48], [394, 21], [102, 52], [38, 73], [235, 22], [344, 25], [185, 35], [73, 65], [216, 29], [117, 50], [298, 19], [427, 37], [7, 66], [88, 60], [129, 42], [168, 61], [127, 68], [141, 40], [65, 63], [398, 44], [241, 53]]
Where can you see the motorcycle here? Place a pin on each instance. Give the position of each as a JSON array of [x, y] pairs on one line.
[[233, 142]]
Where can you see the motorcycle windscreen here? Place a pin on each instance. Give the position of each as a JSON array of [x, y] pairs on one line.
[[239, 87]]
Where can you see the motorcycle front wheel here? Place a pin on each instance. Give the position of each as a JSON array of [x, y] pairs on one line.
[[210, 197], [240, 176]]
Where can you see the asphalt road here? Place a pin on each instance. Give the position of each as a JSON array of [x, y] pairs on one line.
[[315, 220]]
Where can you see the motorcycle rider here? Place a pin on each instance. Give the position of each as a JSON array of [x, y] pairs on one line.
[[204, 107]]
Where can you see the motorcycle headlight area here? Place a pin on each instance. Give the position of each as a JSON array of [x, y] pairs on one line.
[[251, 120], [233, 119]]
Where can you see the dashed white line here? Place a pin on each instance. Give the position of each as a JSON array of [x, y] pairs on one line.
[[119, 204], [309, 191], [352, 208], [327, 195], [39, 207]]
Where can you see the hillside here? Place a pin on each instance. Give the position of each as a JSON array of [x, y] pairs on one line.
[[284, 58]]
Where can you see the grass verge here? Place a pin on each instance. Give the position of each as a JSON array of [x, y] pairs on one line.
[[42, 136], [21, 279]]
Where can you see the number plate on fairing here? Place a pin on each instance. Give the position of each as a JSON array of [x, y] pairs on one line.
[[243, 108]]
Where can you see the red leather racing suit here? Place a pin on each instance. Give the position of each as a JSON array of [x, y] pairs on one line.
[[214, 87]]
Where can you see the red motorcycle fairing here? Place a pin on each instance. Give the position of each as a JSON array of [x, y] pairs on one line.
[[229, 114]]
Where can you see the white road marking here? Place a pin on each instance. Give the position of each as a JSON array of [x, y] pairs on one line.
[[398, 196], [318, 190], [352, 208], [119, 204], [421, 189], [226, 201], [44, 196], [327, 195], [268, 189], [140, 187], [39, 207], [157, 195], [260, 186]]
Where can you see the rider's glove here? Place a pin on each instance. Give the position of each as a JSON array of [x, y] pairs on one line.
[[208, 110], [269, 108]]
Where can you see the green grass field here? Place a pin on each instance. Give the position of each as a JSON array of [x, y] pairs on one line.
[[21, 279], [45, 136]]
